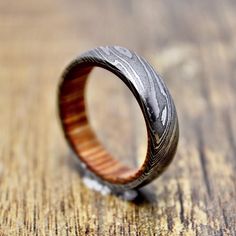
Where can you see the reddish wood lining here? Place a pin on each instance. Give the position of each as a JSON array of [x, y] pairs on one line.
[[80, 134]]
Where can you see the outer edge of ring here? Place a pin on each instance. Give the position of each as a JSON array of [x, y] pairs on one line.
[[151, 94]]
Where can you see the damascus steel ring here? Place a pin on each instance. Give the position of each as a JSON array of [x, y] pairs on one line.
[[154, 100]]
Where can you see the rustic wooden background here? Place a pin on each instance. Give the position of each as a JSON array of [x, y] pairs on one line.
[[191, 43]]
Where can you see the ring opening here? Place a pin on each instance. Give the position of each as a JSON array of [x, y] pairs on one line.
[[81, 135]]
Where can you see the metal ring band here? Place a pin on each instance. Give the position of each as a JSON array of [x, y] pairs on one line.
[[155, 102]]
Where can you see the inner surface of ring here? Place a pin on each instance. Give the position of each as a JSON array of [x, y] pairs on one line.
[[80, 134]]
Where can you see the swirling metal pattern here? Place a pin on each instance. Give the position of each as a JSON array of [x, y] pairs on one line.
[[153, 97]]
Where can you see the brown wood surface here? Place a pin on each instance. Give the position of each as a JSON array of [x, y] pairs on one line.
[[191, 43]]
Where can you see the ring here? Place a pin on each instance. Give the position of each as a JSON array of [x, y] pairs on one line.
[[156, 104]]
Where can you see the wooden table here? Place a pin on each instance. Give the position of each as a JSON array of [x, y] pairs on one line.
[[191, 43]]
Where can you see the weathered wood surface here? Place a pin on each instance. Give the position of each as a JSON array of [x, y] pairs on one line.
[[191, 43]]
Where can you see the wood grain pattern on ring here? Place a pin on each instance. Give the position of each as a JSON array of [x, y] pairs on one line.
[[155, 102]]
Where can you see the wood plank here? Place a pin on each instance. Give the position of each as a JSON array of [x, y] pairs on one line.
[[191, 43]]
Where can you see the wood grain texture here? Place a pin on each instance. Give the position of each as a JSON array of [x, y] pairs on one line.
[[192, 44]]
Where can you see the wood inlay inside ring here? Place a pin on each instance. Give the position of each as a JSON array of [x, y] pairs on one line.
[[81, 135]]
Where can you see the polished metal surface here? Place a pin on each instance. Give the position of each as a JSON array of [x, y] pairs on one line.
[[155, 102]]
